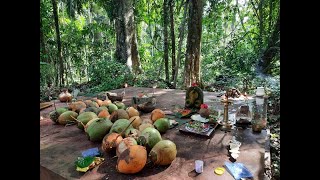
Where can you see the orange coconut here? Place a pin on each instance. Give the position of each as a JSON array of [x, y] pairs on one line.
[[132, 160], [157, 114], [110, 141]]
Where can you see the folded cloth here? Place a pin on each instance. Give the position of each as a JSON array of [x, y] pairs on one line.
[[91, 152], [238, 170]]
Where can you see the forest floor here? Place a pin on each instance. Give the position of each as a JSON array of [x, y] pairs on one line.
[[272, 172]]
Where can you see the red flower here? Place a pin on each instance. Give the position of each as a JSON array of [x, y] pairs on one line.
[[194, 84], [204, 106]]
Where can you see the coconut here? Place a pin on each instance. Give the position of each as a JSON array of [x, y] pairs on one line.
[[137, 121], [162, 124], [88, 123], [104, 114], [132, 160], [62, 110], [149, 137], [163, 153], [65, 117], [54, 115], [134, 133], [77, 106], [132, 112], [91, 109], [102, 108], [157, 114], [106, 102], [120, 125], [143, 126], [125, 144], [119, 114], [98, 129], [84, 118], [93, 104], [120, 105], [110, 141], [87, 102], [147, 121], [98, 101], [112, 107]]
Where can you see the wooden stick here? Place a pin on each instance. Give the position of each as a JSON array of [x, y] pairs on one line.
[[77, 121], [54, 104], [121, 133]]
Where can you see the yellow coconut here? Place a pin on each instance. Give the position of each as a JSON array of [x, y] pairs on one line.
[[143, 126], [137, 121], [157, 114], [132, 112]]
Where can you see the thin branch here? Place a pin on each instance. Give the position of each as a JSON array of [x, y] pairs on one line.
[[241, 20], [255, 9], [222, 37]]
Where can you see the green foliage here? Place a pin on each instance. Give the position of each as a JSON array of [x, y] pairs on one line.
[[109, 74], [232, 40], [46, 74]]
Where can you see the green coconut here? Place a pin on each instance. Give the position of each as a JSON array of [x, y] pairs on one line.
[[85, 118], [149, 137], [54, 115], [112, 107], [120, 125], [120, 105], [119, 114], [163, 153], [162, 124], [91, 109], [102, 108], [62, 110], [93, 104], [65, 117], [98, 128]]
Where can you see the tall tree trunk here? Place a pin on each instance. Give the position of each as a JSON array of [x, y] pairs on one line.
[[181, 38], [261, 27], [68, 67], [56, 22], [165, 38], [126, 38], [42, 44], [272, 48], [173, 41], [192, 62]]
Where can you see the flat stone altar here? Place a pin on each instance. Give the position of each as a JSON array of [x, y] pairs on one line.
[[60, 146]]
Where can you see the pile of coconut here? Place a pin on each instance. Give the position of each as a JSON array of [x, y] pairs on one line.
[[121, 129]]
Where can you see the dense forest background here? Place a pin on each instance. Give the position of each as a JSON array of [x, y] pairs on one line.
[[98, 45], [85, 41]]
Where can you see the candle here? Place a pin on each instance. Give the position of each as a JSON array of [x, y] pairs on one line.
[[260, 91]]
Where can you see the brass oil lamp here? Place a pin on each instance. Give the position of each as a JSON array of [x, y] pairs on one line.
[[226, 125]]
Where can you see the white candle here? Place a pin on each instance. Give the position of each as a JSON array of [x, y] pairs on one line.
[[260, 91]]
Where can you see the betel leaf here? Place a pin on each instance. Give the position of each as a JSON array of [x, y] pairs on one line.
[[83, 162]]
